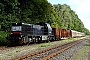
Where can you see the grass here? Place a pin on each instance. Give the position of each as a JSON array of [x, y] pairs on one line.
[[81, 53], [44, 45], [9, 54]]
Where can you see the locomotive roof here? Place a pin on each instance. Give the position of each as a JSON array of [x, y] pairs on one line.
[[42, 23], [20, 24]]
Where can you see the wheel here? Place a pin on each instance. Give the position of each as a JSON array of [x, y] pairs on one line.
[[9, 43], [30, 40], [39, 39], [36, 39], [21, 42]]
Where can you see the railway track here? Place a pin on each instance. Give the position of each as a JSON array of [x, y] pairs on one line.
[[48, 53]]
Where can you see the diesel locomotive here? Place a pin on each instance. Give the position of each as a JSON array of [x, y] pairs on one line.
[[22, 33]]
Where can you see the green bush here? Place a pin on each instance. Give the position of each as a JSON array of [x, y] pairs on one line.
[[3, 36]]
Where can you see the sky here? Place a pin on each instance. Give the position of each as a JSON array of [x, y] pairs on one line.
[[81, 8]]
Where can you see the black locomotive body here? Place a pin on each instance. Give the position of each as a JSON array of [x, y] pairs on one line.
[[22, 33]]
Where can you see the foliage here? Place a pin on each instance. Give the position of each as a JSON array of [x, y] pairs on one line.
[[2, 38], [33, 11], [9, 12]]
